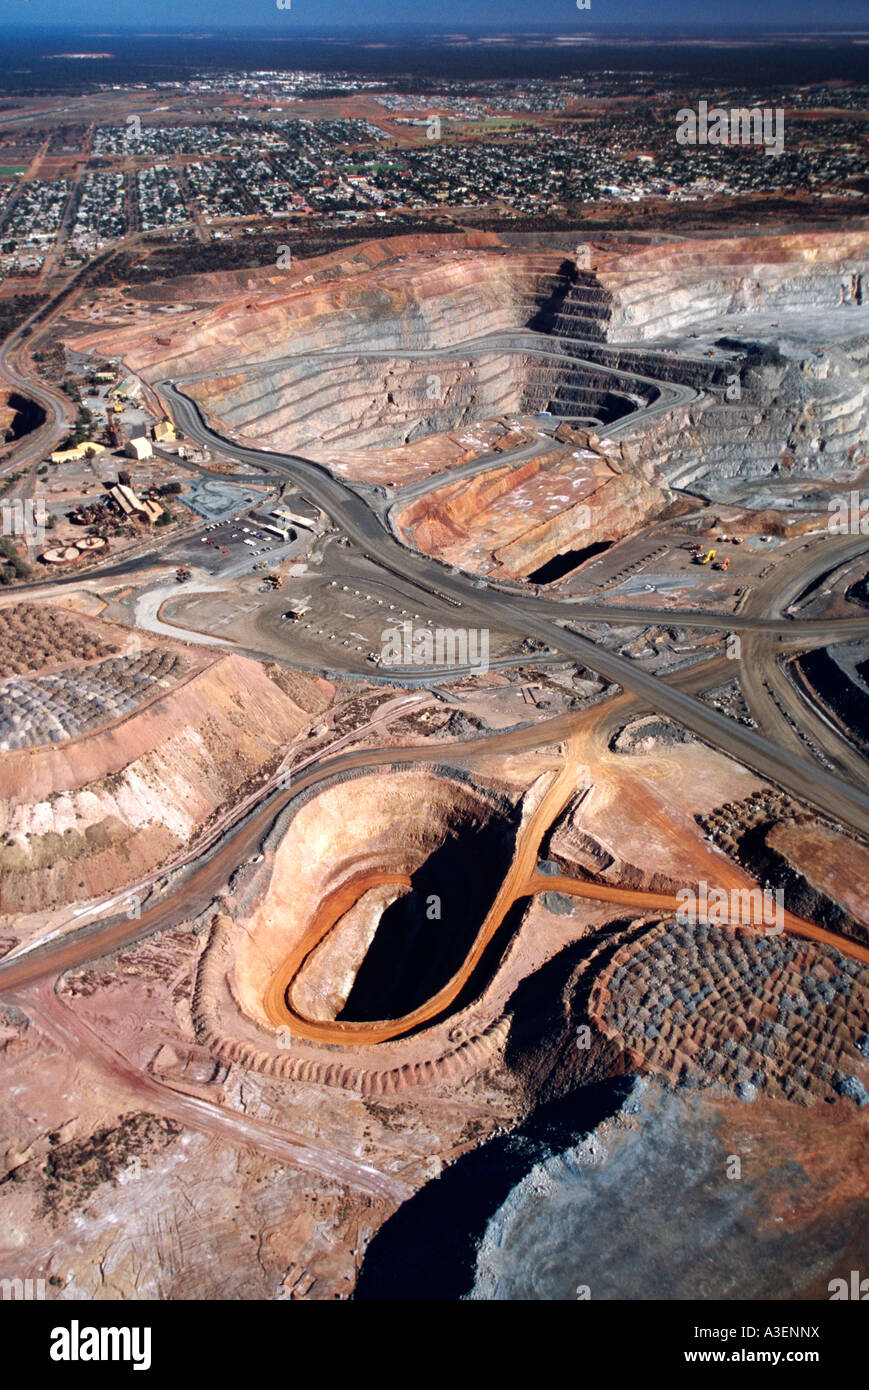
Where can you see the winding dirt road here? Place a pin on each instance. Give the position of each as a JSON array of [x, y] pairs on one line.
[[31, 977], [521, 881]]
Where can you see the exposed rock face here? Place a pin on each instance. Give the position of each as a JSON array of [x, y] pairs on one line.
[[804, 384], [368, 302], [656, 291], [836, 872], [572, 1227], [371, 825], [323, 986], [823, 875], [423, 458], [311, 405], [802, 410], [19, 415], [83, 818], [508, 522]]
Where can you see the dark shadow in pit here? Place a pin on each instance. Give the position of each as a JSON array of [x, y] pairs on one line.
[[859, 592], [424, 937], [428, 1249], [578, 397], [831, 683], [482, 974], [26, 416], [567, 562], [551, 309]]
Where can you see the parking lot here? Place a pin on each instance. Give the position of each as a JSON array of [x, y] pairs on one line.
[[236, 547]]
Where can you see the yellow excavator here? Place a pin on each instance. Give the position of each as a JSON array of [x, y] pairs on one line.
[[704, 559]]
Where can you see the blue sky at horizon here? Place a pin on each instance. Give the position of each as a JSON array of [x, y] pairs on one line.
[[736, 17]]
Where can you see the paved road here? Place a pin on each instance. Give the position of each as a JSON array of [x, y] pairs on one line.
[[520, 881], [666, 395], [529, 616], [58, 412], [780, 711], [486, 462]]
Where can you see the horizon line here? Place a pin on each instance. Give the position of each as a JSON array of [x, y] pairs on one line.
[[738, 31]]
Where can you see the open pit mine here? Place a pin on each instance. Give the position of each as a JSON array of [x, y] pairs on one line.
[[316, 956]]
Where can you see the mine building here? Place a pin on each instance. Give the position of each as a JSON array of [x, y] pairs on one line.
[[139, 449], [133, 506], [86, 450]]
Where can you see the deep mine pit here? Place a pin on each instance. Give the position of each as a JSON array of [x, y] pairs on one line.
[[425, 935], [311, 403], [565, 563], [378, 889], [19, 415]]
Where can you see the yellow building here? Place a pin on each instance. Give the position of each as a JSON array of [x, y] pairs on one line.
[[164, 432], [85, 450], [138, 449]]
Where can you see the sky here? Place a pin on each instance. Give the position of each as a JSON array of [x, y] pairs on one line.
[[735, 17]]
